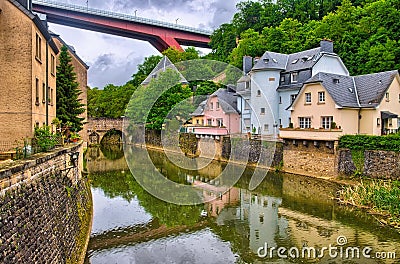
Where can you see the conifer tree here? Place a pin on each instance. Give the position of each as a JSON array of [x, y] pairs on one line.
[[69, 106]]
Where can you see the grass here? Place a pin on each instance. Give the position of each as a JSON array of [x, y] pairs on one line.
[[382, 198]]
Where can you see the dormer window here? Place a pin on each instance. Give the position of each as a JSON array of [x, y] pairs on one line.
[[282, 78], [304, 59], [295, 61], [266, 60], [294, 77], [336, 81]]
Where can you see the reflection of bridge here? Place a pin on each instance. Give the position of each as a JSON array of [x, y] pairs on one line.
[[161, 35], [98, 127]]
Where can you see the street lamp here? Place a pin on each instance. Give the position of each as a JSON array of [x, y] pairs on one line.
[[176, 21], [135, 12]]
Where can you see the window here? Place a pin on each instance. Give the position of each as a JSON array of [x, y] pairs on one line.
[[308, 98], [387, 97], [202, 122], [258, 93], [44, 93], [321, 97], [247, 85], [217, 105], [53, 65], [38, 47], [294, 76], [399, 98], [263, 111], [220, 122], [390, 122], [305, 122], [51, 96], [280, 99], [378, 121], [211, 106], [266, 127], [209, 122], [246, 105], [37, 91], [326, 122], [197, 121], [272, 79], [292, 98], [282, 78], [280, 121]]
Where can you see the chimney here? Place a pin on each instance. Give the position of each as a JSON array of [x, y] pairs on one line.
[[326, 45], [247, 64]]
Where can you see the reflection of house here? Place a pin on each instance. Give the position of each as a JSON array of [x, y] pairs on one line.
[[217, 115], [264, 222], [275, 80], [162, 66], [28, 72], [366, 104], [80, 68]]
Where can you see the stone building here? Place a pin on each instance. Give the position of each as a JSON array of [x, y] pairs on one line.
[[28, 72], [80, 68]]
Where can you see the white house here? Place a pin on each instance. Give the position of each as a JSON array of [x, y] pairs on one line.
[[275, 80]]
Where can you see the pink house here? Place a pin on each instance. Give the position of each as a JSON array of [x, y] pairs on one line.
[[217, 115]]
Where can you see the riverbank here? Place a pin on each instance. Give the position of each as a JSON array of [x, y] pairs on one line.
[[348, 186]]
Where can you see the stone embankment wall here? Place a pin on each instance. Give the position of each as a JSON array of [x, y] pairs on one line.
[[377, 164], [45, 209], [309, 159], [252, 151]]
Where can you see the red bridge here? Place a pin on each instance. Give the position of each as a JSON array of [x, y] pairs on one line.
[[161, 35]]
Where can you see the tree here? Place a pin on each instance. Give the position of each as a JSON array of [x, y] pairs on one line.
[[69, 106]]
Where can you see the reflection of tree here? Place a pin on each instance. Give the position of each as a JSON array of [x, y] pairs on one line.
[[118, 184], [112, 151]]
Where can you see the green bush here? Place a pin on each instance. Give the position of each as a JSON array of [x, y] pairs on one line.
[[365, 142], [45, 140]]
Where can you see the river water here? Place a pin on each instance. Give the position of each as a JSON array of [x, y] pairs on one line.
[[287, 211]]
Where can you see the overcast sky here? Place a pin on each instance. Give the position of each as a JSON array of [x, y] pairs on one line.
[[114, 59]]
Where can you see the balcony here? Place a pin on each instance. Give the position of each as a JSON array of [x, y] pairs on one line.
[[311, 134], [207, 130]]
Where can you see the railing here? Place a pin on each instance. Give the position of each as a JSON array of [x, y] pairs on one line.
[[99, 12]]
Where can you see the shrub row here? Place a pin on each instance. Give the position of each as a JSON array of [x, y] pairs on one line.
[[365, 142]]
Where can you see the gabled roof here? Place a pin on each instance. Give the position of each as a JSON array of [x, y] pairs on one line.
[[290, 62], [363, 91], [227, 100], [162, 66], [271, 60], [70, 48], [200, 109]]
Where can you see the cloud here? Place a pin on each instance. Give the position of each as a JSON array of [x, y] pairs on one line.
[[110, 68]]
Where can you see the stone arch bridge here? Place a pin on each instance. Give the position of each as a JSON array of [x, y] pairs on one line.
[[98, 127]]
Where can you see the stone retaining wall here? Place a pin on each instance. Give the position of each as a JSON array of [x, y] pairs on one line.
[[378, 164], [45, 210]]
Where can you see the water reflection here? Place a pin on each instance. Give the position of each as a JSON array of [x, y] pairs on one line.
[[131, 226]]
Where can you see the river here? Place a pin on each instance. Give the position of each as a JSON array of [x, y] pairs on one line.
[[241, 226]]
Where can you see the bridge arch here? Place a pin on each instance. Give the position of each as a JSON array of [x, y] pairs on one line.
[[97, 128]]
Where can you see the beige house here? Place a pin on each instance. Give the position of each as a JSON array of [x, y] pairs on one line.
[[330, 105], [28, 72], [80, 68]]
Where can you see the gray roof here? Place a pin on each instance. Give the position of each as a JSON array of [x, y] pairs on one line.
[[164, 64], [271, 60], [227, 100], [289, 62], [365, 91], [244, 78], [200, 109], [70, 48]]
